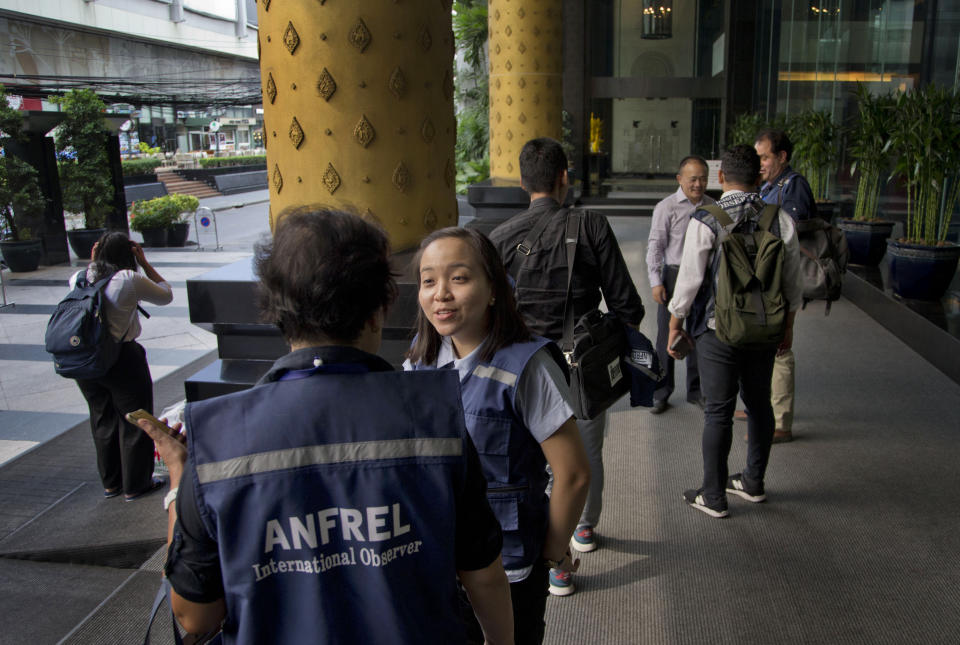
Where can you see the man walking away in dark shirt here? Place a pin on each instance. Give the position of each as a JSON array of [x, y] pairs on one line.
[[599, 269]]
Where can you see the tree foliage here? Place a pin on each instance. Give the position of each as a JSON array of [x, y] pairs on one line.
[[21, 201], [85, 181]]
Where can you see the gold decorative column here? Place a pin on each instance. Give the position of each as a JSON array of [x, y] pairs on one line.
[[358, 110], [526, 64]]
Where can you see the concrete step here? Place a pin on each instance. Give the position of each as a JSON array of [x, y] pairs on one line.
[[177, 184]]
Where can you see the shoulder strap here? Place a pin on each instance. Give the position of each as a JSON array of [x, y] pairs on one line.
[[719, 214], [767, 215], [571, 237], [525, 248]]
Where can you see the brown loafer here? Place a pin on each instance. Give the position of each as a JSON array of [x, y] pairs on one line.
[[740, 415], [782, 436]]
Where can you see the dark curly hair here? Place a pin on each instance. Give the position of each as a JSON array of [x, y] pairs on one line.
[[323, 274], [114, 252], [741, 165], [506, 324]]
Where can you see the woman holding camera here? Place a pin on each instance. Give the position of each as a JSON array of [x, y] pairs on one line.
[[124, 453]]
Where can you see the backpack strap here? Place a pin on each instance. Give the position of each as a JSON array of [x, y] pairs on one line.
[[571, 237], [525, 248], [769, 212]]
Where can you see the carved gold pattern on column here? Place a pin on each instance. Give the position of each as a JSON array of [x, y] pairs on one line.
[[521, 13], [291, 38], [449, 174], [359, 35], [331, 179], [271, 88], [522, 118], [296, 133], [363, 132], [508, 100], [430, 219], [521, 48], [401, 177], [427, 131], [266, 5], [277, 178], [425, 39], [448, 85], [398, 83], [326, 85]]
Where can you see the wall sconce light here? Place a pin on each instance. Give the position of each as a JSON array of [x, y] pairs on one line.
[[657, 19]]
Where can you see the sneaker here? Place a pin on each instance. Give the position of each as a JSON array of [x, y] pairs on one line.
[[659, 406], [696, 499], [737, 486], [561, 582], [583, 540]]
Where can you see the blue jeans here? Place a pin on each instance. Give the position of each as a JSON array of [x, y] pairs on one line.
[[725, 371]]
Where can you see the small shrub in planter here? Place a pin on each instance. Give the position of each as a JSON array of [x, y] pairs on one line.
[[152, 218], [180, 229]]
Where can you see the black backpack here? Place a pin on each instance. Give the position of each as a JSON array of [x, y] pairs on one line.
[[78, 335]]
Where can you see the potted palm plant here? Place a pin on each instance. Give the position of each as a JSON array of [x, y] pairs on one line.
[[84, 167], [21, 201], [867, 143], [815, 153], [926, 137]]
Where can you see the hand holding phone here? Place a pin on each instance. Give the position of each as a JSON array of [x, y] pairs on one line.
[[136, 415], [682, 345]]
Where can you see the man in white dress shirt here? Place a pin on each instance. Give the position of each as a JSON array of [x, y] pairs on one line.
[[664, 246]]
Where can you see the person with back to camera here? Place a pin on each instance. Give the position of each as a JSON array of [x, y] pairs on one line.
[[598, 270], [725, 368], [124, 454], [515, 399], [338, 500]]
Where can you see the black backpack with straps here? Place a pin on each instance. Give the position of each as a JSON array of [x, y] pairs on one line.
[[78, 335]]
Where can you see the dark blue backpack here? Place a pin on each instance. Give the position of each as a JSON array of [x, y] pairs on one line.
[[78, 335]]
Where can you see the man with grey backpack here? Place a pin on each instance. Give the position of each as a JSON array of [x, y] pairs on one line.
[[739, 283]]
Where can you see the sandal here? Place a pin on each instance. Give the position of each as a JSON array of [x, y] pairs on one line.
[[155, 485], [108, 493]]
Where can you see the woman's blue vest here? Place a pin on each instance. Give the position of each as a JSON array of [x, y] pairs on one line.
[[332, 499], [512, 460]]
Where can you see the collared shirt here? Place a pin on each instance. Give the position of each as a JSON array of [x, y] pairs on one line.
[[792, 192], [699, 244], [667, 229]]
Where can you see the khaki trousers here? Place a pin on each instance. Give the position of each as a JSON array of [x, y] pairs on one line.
[[781, 391]]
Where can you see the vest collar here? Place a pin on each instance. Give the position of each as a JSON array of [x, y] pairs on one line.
[[465, 365], [305, 358]]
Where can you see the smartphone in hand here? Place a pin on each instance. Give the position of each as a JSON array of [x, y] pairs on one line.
[[136, 415], [682, 345]]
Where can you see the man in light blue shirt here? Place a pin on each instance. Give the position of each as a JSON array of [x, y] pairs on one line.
[[664, 248]]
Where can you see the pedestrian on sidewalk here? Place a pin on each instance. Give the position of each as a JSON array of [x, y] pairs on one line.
[[515, 401], [124, 453]]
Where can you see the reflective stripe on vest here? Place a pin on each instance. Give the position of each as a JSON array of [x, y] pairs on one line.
[[265, 462]]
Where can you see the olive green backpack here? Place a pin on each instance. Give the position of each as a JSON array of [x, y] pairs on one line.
[[750, 310]]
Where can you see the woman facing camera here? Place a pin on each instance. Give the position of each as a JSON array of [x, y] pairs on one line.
[[515, 402], [124, 454]]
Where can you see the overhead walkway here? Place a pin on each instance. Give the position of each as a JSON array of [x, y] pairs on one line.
[[859, 541]]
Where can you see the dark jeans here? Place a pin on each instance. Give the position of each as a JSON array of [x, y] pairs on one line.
[[666, 361], [529, 598], [124, 451], [725, 371]]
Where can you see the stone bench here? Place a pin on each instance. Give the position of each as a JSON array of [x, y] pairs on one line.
[[139, 192], [241, 182]]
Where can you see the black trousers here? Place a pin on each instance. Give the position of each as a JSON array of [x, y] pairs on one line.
[[529, 599], [726, 371], [124, 451], [663, 393]]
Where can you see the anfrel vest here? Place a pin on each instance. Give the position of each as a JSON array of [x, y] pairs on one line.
[[332, 500], [512, 460]]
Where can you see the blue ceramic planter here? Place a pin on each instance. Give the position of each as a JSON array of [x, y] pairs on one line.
[[867, 241], [922, 272]]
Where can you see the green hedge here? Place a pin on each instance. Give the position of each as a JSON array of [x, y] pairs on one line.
[[161, 212], [144, 166], [222, 162]]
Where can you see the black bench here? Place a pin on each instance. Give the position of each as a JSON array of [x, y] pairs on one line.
[[139, 192], [241, 182]]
